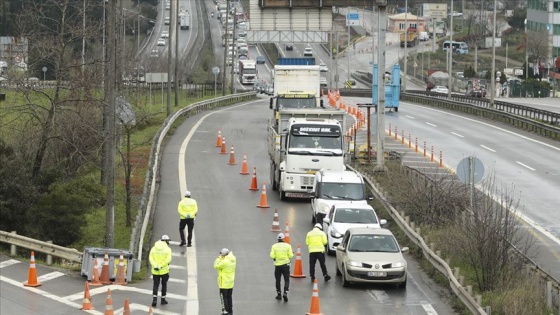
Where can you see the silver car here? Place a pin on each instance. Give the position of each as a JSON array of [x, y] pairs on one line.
[[371, 255]]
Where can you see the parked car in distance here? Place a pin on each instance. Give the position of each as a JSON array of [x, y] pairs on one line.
[[260, 60], [289, 47], [154, 53], [347, 215], [164, 34], [167, 20], [456, 14], [440, 89], [371, 255], [308, 52], [324, 83], [323, 67], [269, 89], [161, 42]]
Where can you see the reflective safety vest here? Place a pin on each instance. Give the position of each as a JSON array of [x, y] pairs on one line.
[[160, 258], [225, 265], [282, 253], [187, 208], [316, 241]]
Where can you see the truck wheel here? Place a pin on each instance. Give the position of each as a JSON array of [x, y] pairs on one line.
[[282, 195], [396, 109]]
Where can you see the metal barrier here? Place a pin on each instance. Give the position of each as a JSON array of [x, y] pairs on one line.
[[48, 248]]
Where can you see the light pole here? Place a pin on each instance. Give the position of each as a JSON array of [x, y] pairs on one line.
[[493, 74], [450, 52], [526, 52], [405, 43]]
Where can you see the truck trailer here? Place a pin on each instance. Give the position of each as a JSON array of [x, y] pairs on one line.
[[247, 71]]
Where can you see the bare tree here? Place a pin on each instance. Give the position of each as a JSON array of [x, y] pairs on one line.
[[538, 45]]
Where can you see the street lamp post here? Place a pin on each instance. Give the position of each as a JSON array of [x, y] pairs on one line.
[[450, 53], [493, 74], [405, 43]]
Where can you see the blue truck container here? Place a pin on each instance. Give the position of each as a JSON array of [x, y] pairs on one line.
[[392, 88], [295, 61]]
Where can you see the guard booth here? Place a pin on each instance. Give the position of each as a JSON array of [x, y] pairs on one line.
[[392, 87], [97, 253]]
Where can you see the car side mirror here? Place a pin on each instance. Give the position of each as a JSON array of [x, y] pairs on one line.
[[382, 222], [326, 221], [341, 248], [405, 249]]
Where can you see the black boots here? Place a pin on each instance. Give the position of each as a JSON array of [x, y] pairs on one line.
[[278, 296], [154, 301], [164, 301]]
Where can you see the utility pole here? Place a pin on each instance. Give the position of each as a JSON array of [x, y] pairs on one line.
[[450, 53], [493, 74], [382, 29], [176, 76], [170, 78], [405, 44], [226, 54], [234, 42]]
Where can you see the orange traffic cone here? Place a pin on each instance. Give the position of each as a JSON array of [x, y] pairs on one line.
[[315, 308], [298, 268], [126, 308], [244, 167], [223, 151], [32, 273], [150, 311], [231, 157], [287, 234], [109, 304], [86, 305], [120, 278], [95, 274], [105, 278], [275, 222], [254, 180], [219, 140], [263, 203]]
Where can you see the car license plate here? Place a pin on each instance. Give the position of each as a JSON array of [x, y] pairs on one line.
[[377, 274], [297, 195]]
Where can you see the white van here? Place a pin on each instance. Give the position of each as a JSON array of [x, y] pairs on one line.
[[423, 36]]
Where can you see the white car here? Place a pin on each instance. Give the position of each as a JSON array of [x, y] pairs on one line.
[[161, 42], [456, 14], [308, 52], [164, 34], [323, 83], [440, 89], [370, 255], [343, 216], [154, 53], [323, 67]]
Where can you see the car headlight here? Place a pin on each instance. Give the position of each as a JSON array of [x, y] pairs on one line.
[[354, 263], [335, 234], [398, 264]]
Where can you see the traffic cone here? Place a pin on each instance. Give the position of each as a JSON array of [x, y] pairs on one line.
[[315, 308], [105, 278], [32, 273], [109, 304], [126, 308], [231, 157], [244, 167], [287, 234], [95, 274], [263, 203], [275, 222], [219, 140], [120, 278], [86, 304], [298, 268], [150, 311], [254, 180], [223, 151]]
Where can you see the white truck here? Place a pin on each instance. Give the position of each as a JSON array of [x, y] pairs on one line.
[[184, 21], [294, 80], [303, 142], [336, 187], [247, 71]]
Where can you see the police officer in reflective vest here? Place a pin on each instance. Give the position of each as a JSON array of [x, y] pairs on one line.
[[225, 265], [187, 209], [316, 240], [282, 254], [160, 258]]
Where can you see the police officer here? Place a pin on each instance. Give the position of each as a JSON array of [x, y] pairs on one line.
[[160, 258], [282, 254], [316, 240], [225, 265], [187, 209]]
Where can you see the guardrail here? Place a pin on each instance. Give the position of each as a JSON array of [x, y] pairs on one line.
[[48, 248]]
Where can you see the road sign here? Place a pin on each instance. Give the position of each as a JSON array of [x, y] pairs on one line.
[[216, 70], [352, 19], [470, 170], [348, 84]]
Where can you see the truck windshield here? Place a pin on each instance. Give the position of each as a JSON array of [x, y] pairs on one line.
[[249, 71], [307, 142], [347, 191], [284, 103]]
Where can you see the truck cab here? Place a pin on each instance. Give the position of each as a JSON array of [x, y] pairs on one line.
[[335, 187]]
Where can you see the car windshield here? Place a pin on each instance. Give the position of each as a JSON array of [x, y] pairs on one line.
[[346, 191], [373, 243], [362, 216]]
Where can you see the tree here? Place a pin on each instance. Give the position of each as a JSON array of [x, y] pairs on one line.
[[469, 72]]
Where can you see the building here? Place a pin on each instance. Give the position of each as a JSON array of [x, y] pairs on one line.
[[544, 15], [402, 21], [14, 51]]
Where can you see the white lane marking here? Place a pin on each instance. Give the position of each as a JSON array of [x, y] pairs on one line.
[[48, 295], [50, 276], [525, 165], [380, 295], [429, 309], [192, 303], [178, 267], [430, 124], [487, 148], [115, 287], [144, 308], [408, 116], [176, 280], [458, 135], [10, 262]]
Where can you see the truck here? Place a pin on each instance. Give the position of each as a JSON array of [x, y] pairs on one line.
[[247, 71], [184, 22], [436, 77], [409, 38], [295, 61], [303, 142], [335, 187], [441, 29]]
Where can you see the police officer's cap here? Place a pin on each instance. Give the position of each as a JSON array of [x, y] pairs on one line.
[[224, 252], [187, 194], [319, 226], [165, 238], [280, 236]]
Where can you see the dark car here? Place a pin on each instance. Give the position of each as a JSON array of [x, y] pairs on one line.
[[289, 47], [260, 60]]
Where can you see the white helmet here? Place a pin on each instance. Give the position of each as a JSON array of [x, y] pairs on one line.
[[187, 194], [319, 226], [224, 252], [280, 236]]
